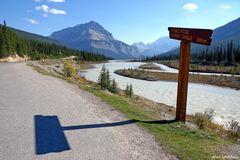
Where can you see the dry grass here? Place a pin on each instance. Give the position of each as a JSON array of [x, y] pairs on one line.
[[150, 66], [81, 64], [69, 68]]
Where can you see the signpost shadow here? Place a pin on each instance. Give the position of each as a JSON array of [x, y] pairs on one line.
[[49, 134]]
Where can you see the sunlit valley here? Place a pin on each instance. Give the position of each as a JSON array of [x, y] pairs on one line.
[[109, 80]]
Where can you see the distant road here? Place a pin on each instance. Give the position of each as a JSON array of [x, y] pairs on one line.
[[42, 117]]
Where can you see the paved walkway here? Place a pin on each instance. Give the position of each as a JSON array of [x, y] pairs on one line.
[[42, 117]]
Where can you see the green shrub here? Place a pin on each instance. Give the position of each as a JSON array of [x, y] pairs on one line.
[[69, 69]]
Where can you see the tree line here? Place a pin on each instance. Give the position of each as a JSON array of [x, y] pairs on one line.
[[227, 55], [11, 43], [223, 54]]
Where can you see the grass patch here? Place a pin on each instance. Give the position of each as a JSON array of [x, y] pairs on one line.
[[176, 138]]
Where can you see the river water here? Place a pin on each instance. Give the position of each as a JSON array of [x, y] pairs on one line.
[[224, 101]]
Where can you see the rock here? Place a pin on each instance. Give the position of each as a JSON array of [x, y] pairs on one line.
[[14, 58]]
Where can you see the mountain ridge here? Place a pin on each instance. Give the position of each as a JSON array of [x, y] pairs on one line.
[[33, 36], [93, 37]]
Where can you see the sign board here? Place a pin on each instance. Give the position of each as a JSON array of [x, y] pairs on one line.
[[200, 36], [186, 35]]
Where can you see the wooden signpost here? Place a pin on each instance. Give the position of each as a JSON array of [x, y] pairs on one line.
[[186, 35]]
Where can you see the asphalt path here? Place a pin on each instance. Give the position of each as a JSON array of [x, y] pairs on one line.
[[42, 117]]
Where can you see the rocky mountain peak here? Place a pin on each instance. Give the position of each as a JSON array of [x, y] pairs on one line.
[[93, 37]]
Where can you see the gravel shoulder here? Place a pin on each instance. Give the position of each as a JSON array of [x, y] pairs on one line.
[[88, 124]]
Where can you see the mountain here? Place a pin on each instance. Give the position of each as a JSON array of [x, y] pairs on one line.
[[221, 36], [161, 45], [230, 31], [140, 45], [32, 36], [94, 38]]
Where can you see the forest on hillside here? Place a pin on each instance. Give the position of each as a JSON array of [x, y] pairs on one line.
[[11, 43], [224, 54]]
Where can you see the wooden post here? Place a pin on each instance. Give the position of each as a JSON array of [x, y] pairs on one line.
[[183, 74], [186, 35]]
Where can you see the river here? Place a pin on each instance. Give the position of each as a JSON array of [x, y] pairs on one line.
[[224, 101]]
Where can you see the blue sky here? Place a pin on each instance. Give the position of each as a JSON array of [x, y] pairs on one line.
[[128, 20]]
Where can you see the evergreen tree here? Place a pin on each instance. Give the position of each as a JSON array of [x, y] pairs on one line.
[[2, 44], [127, 90], [113, 86], [232, 53], [130, 90], [108, 79], [102, 79], [105, 82]]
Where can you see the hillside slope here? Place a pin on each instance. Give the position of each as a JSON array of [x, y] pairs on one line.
[[32, 36]]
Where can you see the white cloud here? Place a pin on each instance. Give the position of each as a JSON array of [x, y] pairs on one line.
[[57, 11], [45, 15], [190, 7], [225, 6], [32, 21], [50, 1], [44, 8], [56, 0]]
